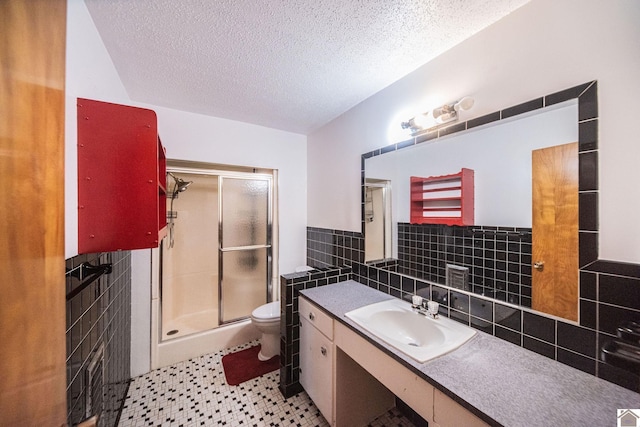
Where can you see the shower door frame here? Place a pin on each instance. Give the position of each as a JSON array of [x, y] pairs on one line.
[[218, 171], [268, 244]]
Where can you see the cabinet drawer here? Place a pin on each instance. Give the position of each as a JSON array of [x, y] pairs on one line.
[[318, 318]]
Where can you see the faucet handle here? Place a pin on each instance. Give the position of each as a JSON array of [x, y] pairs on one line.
[[432, 307], [416, 300]]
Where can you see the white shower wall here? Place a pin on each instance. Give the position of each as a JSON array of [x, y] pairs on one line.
[[190, 268]]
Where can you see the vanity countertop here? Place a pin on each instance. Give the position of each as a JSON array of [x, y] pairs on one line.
[[500, 382]]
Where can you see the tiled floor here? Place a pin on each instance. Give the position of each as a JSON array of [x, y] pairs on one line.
[[195, 393]]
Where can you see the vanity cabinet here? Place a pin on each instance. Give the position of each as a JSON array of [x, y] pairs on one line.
[[408, 386], [445, 199], [121, 178], [447, 412], [317, 356], [344, 392], [352, 382], [431, 404]]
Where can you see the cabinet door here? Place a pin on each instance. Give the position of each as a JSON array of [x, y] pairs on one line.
[[316, 367], [121, 178]]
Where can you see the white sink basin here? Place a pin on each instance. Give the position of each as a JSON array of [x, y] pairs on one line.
[[419, 337]]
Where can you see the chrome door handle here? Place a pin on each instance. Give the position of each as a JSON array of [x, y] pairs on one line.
[[539, 265]]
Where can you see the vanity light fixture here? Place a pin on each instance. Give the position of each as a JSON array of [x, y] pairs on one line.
[[438, 116]]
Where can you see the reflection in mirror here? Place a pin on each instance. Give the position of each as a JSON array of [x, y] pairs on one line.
[[498, 249], [377, 219], [554, 279]]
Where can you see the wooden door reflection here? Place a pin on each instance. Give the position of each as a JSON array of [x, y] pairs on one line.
[[555, 230]]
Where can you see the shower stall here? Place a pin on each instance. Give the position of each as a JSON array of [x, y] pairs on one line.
[[216, 263]]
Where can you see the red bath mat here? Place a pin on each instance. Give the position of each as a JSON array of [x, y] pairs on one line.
[[244, 365]]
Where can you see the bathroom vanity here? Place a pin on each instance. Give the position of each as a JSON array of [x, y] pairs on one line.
[[353, 376]]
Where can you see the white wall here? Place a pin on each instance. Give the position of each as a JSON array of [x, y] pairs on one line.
[[543, 47], [90, 74], [189, 136], [186, 136]]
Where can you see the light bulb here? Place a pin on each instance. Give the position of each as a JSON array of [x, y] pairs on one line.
[[423, 121], [464, 104]]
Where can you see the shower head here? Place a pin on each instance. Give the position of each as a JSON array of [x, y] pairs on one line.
[[180, 184]]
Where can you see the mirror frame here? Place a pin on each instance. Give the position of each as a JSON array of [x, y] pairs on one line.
[[587, 99]]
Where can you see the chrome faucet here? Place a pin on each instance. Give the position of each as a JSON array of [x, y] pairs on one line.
[[425, 307]]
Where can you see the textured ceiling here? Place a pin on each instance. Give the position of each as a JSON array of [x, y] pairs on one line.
[[286, 64]]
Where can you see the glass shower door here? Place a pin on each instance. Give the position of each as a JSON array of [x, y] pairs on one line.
[[245, 246]]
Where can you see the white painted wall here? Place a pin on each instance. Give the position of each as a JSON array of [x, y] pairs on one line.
[[543, 47], [186, 136], [90, 74]]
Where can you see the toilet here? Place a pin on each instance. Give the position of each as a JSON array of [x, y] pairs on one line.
[[267, 319]]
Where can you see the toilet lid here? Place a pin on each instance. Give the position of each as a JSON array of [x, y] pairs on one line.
[[267, 311]]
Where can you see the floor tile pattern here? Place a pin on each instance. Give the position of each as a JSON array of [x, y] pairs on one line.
[[195, 393]]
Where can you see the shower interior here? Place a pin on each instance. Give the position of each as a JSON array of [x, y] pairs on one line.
[[216, 262], [377, 216]]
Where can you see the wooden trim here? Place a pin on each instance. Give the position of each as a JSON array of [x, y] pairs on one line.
[[32, 307]]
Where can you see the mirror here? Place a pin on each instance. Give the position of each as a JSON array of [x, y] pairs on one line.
[[377, 219], [499, 154], [497, 250]]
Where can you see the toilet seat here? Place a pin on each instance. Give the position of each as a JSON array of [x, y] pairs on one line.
[[270, 311]]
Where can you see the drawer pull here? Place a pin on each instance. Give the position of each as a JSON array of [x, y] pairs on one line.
[[312, 316], [323, 350]]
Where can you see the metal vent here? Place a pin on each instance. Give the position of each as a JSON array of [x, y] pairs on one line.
[[94, 381], [457, 277]]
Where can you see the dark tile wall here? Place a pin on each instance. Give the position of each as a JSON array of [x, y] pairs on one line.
[[610, 289], [290, 287], [498, 258], [609, 296], [99, 315], [327, 248], [390, 264]]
